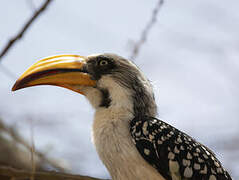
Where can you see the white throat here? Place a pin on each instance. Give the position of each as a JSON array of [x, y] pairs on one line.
[[111, 133], [120, 110]]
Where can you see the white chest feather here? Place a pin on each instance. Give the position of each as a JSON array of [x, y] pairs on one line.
[[115, 147]]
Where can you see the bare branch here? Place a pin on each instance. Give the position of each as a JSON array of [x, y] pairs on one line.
[[17, 138], [24, 29], [146, 30], [32, 152], [22, 174]]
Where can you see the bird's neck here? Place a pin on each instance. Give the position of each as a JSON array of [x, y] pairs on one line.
[[111, 132], [136, 99], [143, 102]]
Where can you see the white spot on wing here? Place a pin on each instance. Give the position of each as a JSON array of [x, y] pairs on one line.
[[204, 171], [200, 160], [145, 126], [146, 151], [174, 169], [171, 155], [179, 140], [176, 150], [212, 170], [219, 170], [188, 172], [189, 156], [216, 164], [138, 133], [205, 156], [196, 166], [186, 162], [212, 177], [198, 150], [195, 154], [151, 137]]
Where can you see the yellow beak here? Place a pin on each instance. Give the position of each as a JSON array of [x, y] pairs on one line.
[[61, 70]]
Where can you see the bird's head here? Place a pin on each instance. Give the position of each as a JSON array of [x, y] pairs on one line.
[[106, 80]]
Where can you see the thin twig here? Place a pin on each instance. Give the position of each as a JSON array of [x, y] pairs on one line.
[[33, 163], [146, 30], [23, 30], [17, 138]]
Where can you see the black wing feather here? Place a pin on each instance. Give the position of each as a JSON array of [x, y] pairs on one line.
[[161, 144]]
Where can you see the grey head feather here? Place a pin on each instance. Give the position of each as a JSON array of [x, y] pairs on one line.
[[128, 75]]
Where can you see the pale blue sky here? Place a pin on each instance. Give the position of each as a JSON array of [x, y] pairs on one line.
[[191, 56]]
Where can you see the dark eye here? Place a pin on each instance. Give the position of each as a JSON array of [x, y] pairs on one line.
[[103, 62]]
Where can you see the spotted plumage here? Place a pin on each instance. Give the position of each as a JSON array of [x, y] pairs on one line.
[[173, 153]]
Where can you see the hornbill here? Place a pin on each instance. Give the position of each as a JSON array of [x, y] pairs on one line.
[[132, 143]]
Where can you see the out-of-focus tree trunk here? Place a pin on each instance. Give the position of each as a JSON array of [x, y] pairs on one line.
[[7, 173], [14, 154]]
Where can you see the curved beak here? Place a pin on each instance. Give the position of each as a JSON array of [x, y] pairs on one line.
[[66, 71]]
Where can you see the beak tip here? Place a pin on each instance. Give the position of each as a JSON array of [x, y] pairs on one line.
[[16, 86]]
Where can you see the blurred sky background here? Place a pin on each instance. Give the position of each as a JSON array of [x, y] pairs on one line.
[[191, 56]]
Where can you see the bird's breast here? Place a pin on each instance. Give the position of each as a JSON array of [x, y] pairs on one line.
[[115, 147], [111, 134]]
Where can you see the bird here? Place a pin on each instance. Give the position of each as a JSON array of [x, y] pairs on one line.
[[131, 142]]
